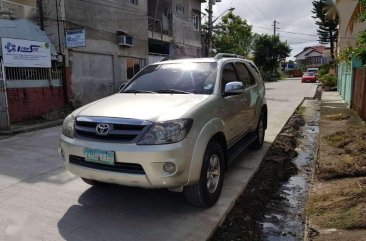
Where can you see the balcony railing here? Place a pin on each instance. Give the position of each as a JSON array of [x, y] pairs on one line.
[[9, 9], [157, 26]]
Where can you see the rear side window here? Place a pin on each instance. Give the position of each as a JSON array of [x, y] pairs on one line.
[[228, 74], [244, 75]]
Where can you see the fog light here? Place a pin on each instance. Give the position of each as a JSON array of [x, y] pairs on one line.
[[170, 167]]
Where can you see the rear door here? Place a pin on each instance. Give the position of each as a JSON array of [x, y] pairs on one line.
[[251, 95]]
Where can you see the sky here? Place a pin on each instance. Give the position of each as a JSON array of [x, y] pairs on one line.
[[294, 16]]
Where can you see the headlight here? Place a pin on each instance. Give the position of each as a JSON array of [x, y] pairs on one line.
[[68, 126], [167, 132]]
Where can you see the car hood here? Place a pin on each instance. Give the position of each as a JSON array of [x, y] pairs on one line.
[[152, 107]]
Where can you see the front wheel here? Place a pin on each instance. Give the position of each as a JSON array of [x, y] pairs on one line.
[[260, 133], [207, 191]]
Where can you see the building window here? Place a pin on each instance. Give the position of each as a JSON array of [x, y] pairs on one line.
[[179, 8], [196, 20], [134, 2], [133, 67]]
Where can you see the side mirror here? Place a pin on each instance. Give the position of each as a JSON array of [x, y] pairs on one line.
[[234, 88], [122, 86]]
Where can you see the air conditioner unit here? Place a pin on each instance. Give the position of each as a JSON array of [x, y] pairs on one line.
[[124, 40]]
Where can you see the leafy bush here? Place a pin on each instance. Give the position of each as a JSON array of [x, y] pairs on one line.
[[323, 70], [328, 80]]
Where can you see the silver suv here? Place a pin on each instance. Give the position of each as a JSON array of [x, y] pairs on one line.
[[175, 125]]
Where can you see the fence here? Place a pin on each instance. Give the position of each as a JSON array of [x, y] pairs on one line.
[[55, 73], [359, 93]]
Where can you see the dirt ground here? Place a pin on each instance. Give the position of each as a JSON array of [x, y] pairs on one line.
[[337, 203], [244, 221]]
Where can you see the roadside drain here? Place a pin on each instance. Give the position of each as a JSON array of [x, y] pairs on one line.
[[272, 206]]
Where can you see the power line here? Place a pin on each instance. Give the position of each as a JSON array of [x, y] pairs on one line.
[[259, 10]]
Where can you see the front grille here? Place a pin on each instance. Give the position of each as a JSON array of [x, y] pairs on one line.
[[120, 130], [128, 168]]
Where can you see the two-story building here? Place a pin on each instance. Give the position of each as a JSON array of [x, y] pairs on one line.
[[313, 57], [105, 43], [121, 37], [174, 28]]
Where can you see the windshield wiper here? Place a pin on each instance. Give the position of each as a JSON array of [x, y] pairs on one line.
[[138, 91], [172, 91]]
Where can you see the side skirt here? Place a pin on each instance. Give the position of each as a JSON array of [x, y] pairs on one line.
[[240, 146]]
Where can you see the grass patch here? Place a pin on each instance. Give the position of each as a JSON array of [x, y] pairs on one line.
[[339, 204], [300, 110], [337, 117], [342, 138], [346, 156]]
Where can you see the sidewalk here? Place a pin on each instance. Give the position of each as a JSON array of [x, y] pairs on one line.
[[337, 202]]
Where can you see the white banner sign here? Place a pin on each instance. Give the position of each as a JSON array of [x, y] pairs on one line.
[[26, 53]]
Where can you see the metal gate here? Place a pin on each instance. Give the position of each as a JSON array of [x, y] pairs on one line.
[[4, 113]]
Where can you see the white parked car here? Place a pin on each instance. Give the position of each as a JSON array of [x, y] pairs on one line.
[[175, 125]]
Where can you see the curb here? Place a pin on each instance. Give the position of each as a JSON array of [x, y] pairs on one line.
[[30, 128]]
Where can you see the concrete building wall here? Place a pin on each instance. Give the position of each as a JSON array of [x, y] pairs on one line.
[[98, 69], [346, 37], [187, 40], [178, 30]]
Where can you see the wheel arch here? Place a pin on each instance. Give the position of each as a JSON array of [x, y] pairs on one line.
[[213, 130]]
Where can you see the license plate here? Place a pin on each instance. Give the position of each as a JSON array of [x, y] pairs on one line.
[[98, 156]]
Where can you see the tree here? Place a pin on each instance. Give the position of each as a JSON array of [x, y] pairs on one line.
[[327, 26], [233, 35], [269, 51]]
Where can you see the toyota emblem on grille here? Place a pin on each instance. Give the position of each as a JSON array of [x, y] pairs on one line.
[[103, 129]]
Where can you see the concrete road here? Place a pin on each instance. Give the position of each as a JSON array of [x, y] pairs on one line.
[[38, 198]]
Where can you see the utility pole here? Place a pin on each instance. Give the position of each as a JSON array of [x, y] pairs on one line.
[[210, 27], [41, 15], [275, 28]]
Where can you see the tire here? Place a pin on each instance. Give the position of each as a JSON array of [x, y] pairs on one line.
[[260, 133], [92, 182], [204, 194]]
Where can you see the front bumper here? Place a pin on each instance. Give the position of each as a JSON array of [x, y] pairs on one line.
[[150, 158]]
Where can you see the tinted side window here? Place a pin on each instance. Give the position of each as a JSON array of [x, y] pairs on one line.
[[228, 74], [244, 75]]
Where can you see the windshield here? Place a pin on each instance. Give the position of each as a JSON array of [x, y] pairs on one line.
[[179, 78], [309, 74]]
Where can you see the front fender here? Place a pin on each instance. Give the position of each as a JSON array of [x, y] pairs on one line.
[[208, 131]]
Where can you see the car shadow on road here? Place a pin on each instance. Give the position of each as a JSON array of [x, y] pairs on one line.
[[114, 212]]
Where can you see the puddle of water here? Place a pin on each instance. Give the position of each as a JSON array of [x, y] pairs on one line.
[[284, 219]]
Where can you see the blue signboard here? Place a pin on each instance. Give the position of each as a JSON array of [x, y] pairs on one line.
[[75, 38]]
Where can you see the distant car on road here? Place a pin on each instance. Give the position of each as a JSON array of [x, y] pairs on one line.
[[309, 77], [313, 70], [175, 125]]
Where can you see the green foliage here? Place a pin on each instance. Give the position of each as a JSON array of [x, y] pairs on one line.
[[268, 52], [233, 35], [327, 27], [324, 70], [359, 51], [328, 80]]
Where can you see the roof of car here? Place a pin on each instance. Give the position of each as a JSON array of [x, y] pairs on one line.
[[199, 60]]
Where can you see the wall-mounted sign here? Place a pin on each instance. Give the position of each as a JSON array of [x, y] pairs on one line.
[[75, 38], [26, 53]]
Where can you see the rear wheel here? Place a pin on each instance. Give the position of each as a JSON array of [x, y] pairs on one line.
[[260, 133], [207, 191]]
